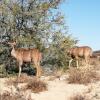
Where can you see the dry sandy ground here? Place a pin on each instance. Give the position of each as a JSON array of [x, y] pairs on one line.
[[57, 90]]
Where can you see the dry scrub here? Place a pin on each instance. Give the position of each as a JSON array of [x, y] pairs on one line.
[[12, 96], [24, 78], [32, 83], [78, 97], [36, 86], [82, 75]]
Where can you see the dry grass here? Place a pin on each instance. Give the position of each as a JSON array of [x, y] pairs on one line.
[[82, 75], [32, 83], [78, 97], [36, 86], [24, 78], [11, 96], [95, 63]]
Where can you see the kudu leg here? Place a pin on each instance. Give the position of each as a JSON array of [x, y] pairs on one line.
[[70, 61], [87, 61], [77, 63], [39, 69], [20, 69], [37, 66]]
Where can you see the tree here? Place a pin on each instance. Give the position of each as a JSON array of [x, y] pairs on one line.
[[31, 20], [35, 23]]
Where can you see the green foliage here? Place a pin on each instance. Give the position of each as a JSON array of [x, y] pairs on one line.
[[57, 52], [35, 23]]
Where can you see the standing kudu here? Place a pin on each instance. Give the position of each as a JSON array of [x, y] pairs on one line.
[[77, 52], [27, 55]]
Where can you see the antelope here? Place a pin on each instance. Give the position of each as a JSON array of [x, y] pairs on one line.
[[26, 55], [77, 52]]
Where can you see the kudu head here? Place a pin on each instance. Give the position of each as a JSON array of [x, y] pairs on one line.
[[70, 50], [12, 44]]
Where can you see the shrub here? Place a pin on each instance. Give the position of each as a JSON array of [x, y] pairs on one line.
[[36, 86], [11, 96], [78, 97], [24, 78], [82, 75], [32, 83]]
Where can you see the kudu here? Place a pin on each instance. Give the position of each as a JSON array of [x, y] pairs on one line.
[[26, 55], [77, 52]]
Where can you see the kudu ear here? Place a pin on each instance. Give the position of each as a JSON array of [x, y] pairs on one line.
[[12, 43], [69, 51]]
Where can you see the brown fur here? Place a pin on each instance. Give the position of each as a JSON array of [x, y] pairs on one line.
[[77, 52], [27, 55]]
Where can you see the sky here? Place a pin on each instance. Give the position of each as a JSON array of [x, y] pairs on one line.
[[83, 20]]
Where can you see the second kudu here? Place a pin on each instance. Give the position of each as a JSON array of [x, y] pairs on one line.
[[77, 52], [26, 55]]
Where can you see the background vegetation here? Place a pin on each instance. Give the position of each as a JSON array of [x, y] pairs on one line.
[[34, 23]]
